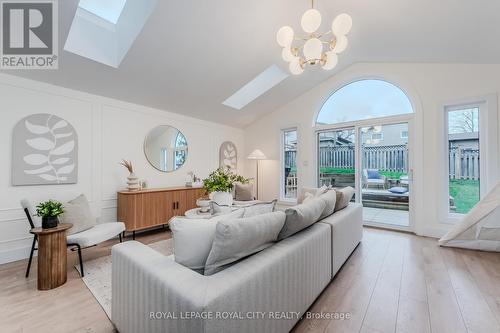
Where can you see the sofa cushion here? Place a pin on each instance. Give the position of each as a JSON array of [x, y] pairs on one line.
[[238, 238], [373, 174], [344, 196], [330, 199], [313, 190], [193, 238], [78, 213], [98, 234], [260, 208], [302, 216], [398, 190], [243, 192]]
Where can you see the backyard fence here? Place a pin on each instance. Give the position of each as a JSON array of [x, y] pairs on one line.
[[385, 158], [464, 163]]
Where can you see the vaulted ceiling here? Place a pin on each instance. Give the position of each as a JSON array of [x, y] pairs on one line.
[[191, 55]]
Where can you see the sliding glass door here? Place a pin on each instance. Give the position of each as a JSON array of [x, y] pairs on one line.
[[375, 161], [385, 174]]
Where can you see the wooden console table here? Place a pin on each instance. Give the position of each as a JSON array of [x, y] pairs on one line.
[[52, 256], [154, 207]]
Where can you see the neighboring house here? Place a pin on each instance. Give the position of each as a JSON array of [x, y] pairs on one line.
[[464, 140]]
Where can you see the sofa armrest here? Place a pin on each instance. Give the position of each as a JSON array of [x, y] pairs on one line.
[[147, 284]]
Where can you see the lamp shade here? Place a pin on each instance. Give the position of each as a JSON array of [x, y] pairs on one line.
[[257, 155]]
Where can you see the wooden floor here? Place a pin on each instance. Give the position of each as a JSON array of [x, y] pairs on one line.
[[393, 282]]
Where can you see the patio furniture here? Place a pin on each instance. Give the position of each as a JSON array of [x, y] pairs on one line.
[[374, 178], [404, 181]]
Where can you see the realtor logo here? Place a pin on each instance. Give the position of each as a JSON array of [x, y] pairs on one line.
[[28, 35]]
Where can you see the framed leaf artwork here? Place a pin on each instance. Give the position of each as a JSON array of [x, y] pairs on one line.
[[44, 151], [228, 155]]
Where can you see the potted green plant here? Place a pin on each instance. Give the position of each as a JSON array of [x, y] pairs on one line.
[[219, 185], [49, 212]]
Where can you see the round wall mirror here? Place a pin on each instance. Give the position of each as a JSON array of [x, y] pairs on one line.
[[166, 148]]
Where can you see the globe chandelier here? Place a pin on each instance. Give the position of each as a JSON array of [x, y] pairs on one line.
[[309, 50]]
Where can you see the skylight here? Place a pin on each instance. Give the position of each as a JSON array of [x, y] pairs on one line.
[[109, 10], [104, 31], [255, 88]]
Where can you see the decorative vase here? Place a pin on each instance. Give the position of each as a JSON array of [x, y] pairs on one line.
[[49, 222], [133, 182], [222, 198]]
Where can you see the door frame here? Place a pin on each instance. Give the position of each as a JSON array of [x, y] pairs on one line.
[[357, 125]]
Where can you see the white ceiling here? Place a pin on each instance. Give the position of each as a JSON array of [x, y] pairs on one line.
[[193, 54]]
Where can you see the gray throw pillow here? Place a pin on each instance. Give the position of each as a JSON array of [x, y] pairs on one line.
[[243, 192], [77, 212], [330, 198], [260, 208], [301, 216], [239, 238], [344, 196]]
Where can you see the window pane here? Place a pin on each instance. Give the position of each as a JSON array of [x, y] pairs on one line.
[[289, 188], [464, 163], [365, 99], [336, 153]]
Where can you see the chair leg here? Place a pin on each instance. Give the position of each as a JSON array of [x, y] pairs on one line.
[[120, 237], [31, 256], [81, 261]]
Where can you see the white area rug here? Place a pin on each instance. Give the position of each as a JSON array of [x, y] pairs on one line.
[[98, 274]]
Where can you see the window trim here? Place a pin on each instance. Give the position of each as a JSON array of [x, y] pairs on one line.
[[282, 163]]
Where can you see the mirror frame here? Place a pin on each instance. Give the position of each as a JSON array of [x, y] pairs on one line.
[[146, 155]]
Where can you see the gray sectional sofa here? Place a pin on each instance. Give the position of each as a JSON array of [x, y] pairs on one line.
[[266, 292]]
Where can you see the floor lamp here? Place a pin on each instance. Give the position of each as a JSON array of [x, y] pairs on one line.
[[257, 155]]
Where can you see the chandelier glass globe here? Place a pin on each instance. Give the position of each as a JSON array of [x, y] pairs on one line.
[[316, 47]]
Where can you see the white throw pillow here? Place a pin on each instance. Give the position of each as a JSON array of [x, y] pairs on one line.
[[193, 238], [77, 212], [316, 192], [260, 208]]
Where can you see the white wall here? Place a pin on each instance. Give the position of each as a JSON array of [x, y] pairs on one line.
[[429, 86], [108, 131]]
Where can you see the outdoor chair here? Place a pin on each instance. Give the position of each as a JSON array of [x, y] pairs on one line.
[[372, 177]]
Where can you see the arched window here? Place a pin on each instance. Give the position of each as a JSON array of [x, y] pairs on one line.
[[180, 150], [365, 99]]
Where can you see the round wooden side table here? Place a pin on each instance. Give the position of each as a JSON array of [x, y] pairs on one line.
[[52, 256]]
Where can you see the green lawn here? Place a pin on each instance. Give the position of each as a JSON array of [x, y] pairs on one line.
[[388, 174], [465, 193]]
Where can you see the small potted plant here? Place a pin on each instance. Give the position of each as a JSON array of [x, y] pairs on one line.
[[49, 212], [219, 185]]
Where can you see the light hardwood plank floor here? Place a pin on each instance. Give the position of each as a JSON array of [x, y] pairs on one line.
[[393, 282]]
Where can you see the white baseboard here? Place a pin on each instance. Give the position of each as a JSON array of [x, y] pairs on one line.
[[15, 254], [432, 232]]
